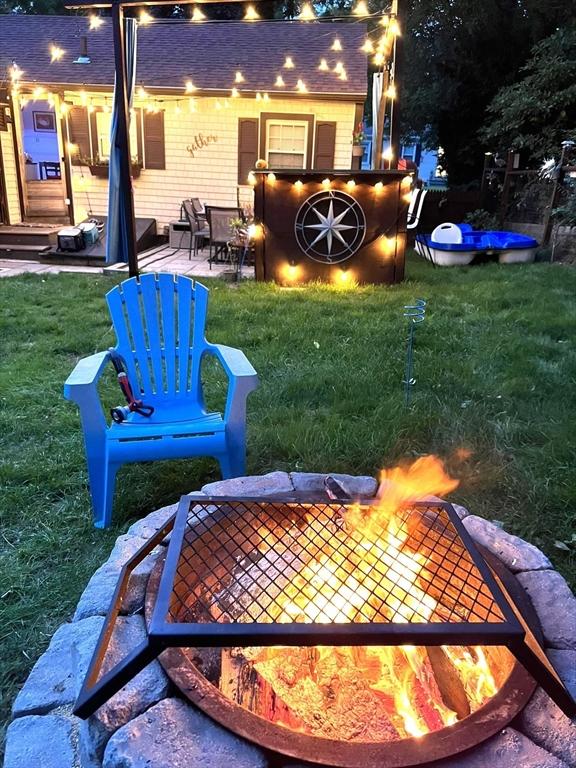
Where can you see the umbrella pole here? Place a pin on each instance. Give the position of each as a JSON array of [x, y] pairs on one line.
[[128, 230]]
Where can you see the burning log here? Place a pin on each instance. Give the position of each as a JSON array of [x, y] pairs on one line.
[[448, 681]]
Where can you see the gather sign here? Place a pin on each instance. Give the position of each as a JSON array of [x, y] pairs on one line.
[[200, 141]]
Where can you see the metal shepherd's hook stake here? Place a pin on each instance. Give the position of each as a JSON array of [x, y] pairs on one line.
[[416, 313]]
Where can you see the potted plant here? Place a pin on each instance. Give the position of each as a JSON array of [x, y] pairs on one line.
[[100, 167], [358, 136]]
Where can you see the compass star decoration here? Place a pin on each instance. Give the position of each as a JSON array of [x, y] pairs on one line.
[[330, 226]]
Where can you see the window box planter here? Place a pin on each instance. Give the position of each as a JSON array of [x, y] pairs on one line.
[[357, 150], [101, 170]]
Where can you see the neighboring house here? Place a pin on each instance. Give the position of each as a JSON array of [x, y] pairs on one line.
[[190, 136]]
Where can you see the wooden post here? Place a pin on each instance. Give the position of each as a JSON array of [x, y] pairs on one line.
[[558, 174], [123, 138], [397, 8], [381, 119]]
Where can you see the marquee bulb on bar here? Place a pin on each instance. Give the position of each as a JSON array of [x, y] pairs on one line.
[[323, 66], [279, 82], [56, 53], [378, 186], [95, 21], [361, 9], [326, 183], [197, 14], [252, 179], [407, 181], [145, 17], [388, 154], [307, 13], [336, 45], [288, 63], [251, 14], [190, 87], [239, 78], [298, 184], [271, 178], [351, 184]]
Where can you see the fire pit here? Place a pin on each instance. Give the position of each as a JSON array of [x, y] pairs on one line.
[[350, 634]]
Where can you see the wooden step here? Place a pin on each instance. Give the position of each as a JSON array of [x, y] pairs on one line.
[[39, 235], [22, 251]]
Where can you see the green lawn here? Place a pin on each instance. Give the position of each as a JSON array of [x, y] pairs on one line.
[[495, 370]]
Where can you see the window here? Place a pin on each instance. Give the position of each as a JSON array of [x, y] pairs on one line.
[[103, 125], [286, 143]]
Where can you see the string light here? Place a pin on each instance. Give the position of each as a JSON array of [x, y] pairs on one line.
[[142, 93], [251, 14], [379, 59], [192, 104], [361, 9], [83, 98], [235, 93], [343, 75], [368, 46], [307, 13], [63, 108], [378, 186], [252, 179], [271, 178], [265, 97], [190, 87], [197, 14], [326, 183], [226, 104], [351, 184], [301, 86], [298, 184], [279, 82], [288, 63], [407, 181], [91, 108], [239, 77], [50, 100], [323, 66], [394, 27], [95, 21], [106, 108], [145, 18], [15, 73], [391, 92], [37, 93], [56, 53], [258, 96], [385, 20], [177, 108], [338, 68], [217, 105], [72, 148], [336, 45], [388, 154]]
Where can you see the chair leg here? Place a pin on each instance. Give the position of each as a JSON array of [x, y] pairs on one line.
[[232, 464], [102, 478]]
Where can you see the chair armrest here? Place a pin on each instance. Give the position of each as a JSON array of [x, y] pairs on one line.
[[85, 375], [242, 377]]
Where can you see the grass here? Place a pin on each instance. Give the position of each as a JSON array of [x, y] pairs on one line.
[[495, 370]]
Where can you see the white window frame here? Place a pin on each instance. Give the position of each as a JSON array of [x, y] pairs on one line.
[[270, 122]]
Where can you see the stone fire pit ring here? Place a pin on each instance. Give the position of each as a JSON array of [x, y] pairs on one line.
[[148, 725]]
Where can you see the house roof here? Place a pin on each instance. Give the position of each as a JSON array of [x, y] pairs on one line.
[[172, 52]]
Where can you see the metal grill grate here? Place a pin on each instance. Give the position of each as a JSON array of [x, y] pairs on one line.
[[272, 562]]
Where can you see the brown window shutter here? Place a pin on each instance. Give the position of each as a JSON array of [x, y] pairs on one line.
[[154, 152], [324, 146], [79, 133], [248, 130], [3, 119]]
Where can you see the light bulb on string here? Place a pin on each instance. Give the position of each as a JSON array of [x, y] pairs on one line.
[[83, 98], [323, 66], [288, 63], [361, 9], [385, 20], [239, 78], [56, 53], [336, 45], [95, 21], [190, 87], [217, 105], [307, 13], [265, 97], [279, 82], [63, 108], [391, 92], [91, 108], [343, 75], [251, 14], [338, 68], [192, 105], [368, 46], [351, 184], [258, 96], [197, 14], [145, 18], [379, 59], [37, 92], [177, 109], [235, 93], [226, 104], [301, 86], [141, 93], [394, 27]]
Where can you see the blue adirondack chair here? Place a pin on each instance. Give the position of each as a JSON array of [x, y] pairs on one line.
[[159, 322]]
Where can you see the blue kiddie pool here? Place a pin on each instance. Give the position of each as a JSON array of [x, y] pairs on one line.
[[458, 244]]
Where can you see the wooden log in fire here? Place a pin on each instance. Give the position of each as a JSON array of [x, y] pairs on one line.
[[449, 682]]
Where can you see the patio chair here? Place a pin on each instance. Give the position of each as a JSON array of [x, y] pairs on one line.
[[159, 320], [221, 230], [197, 222]]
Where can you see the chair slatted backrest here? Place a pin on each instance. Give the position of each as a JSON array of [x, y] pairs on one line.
[[160, 320]]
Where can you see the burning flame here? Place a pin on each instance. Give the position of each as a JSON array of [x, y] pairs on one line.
[[366, 570]]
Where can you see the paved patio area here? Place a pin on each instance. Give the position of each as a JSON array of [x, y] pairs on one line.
[[161, 259]]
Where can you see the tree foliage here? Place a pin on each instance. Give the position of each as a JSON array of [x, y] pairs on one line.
[[458, 54], [538, 112]]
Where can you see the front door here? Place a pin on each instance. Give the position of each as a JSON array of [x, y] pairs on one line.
[[43, 177]]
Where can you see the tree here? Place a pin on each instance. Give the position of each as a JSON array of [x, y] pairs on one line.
[[538, 112], [458, 54]]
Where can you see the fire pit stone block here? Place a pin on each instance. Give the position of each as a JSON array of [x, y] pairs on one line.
[[146, 689], [147, 526], [518, 555], [172, 734], [549, 727], [52, 682], [40, 740], [256, 485], [565, 664], [555, 605], [358, 487]]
